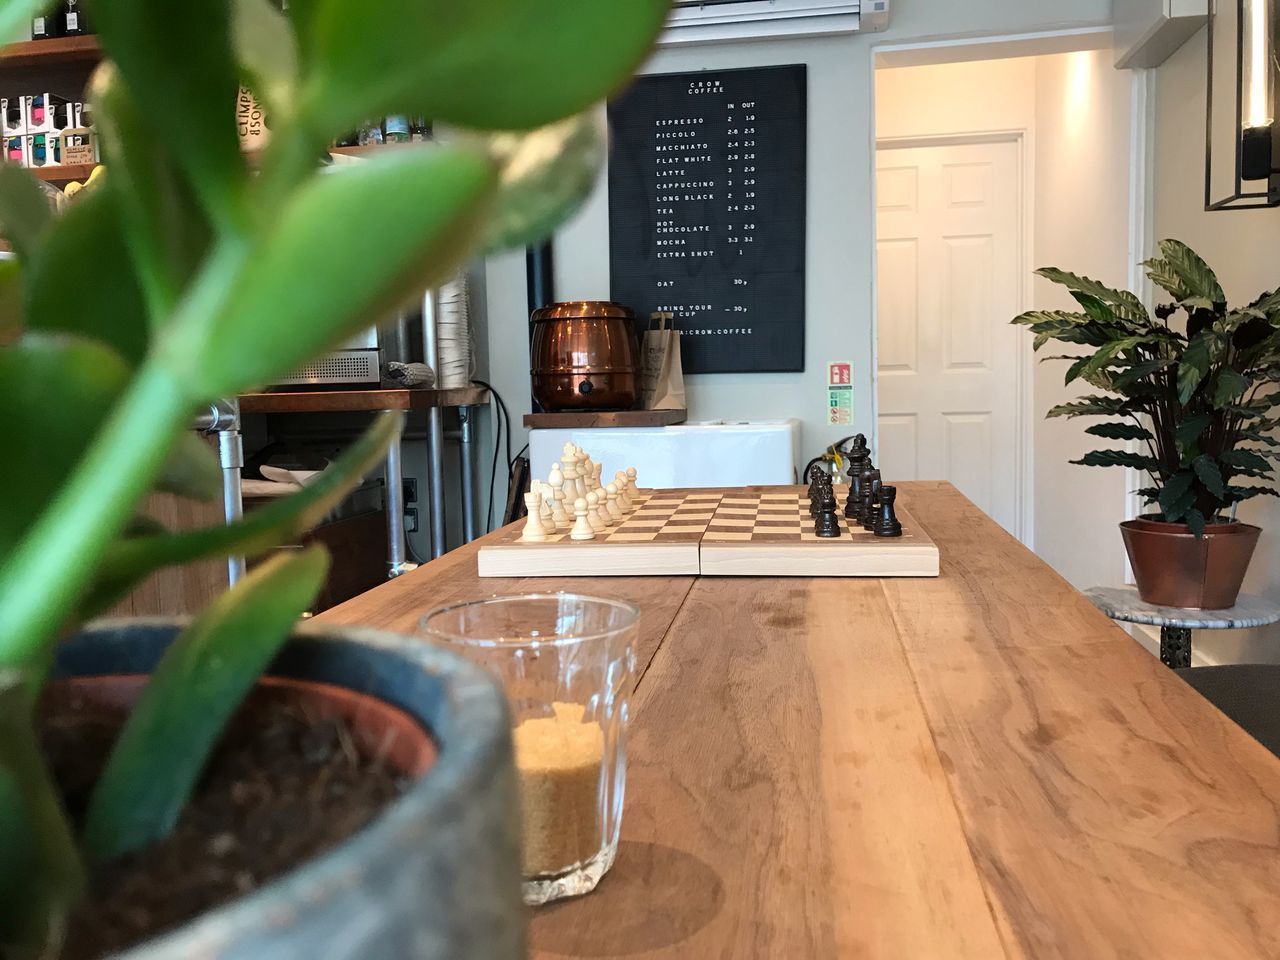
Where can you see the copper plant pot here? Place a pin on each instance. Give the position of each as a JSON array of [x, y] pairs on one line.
[[1175, 568], [584, 356]]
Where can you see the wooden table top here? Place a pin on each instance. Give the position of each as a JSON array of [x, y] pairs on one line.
[[980, 765], [348, 401]]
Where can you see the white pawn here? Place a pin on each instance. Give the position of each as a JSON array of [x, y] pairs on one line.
[[533, 528], [611, 502], [556, 486], [544, 505], [624, 497], [593, 513], [582, 529], [631, 480]]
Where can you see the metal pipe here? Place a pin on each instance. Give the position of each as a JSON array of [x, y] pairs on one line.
[[396, 549], [223, 418], [435, 430], [467, 455]]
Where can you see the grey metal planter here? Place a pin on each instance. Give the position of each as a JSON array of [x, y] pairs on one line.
[[437, 875]]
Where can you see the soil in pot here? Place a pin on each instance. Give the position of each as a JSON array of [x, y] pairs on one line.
[[281, 787]]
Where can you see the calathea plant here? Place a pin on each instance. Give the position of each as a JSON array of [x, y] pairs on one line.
[[1193, 386], [186, 276]]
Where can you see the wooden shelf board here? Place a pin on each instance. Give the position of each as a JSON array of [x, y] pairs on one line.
[[347, 401], [60, 50], [372, 148], [586, 419], [64, 173]]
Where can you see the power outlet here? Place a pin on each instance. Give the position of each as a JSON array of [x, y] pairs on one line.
[[411, 520], [410, 490]]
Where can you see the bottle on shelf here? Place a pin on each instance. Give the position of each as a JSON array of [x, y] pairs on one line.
[[71, 19], [395, 129], [45, 26], [371, 134], [419, 129]]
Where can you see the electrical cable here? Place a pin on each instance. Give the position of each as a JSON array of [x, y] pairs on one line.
[[497, 446]]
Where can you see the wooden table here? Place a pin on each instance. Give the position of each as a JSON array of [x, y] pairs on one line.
[[980, 765]]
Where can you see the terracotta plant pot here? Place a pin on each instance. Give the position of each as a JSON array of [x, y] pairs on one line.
[[435, 875], [1175, 568]]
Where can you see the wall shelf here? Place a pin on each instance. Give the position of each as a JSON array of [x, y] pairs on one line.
[[63, 174], [47, 53]]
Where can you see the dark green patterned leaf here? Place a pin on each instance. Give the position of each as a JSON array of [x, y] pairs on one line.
[[1229, 385], [1195, 363], [1119, 458], [1244, 458], [1209, 475], [1119, 431], [1125, 304], [1195, 520], [1192, 272], [1188, 431], [1093, 406]]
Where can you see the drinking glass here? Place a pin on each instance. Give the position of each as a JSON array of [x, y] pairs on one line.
[[567, 663]]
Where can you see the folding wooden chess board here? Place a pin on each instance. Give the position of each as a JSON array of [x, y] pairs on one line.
[[743, 532]]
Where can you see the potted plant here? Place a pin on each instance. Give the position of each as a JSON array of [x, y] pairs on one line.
[[1191, 391], [128, 751]]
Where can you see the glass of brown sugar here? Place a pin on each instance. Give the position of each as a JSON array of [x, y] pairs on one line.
[[567, 663]]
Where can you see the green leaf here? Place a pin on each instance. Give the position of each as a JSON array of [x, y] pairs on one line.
[[1195, 363], [1244, 458], [131, 560], [1196, 521], [1125, 304], [11, 315], [427, 205], [1238, 494], [104, 302], [41, 874], [1119, 458], [168, 233], [1209, 475], [1142, 371], [1095, 406], [180, 71], [1076, 369], [264, 45], [1193, 274], [197, 685], [1119, 431], [1174, 489], [192, 469], [25, 210], [1188, 431], [545, 176], [55, 391], [496, 65], [1062, 317], [1229, 385]]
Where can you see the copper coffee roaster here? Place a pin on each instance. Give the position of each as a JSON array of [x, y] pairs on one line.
[[585, 356]]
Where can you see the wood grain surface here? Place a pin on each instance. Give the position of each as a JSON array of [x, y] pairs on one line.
[[979, 765], [590, 419], [346, 401]]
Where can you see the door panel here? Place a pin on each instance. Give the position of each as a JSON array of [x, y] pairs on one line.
[[948, 237]]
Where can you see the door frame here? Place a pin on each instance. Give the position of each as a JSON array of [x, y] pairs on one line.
[[1024, 377]]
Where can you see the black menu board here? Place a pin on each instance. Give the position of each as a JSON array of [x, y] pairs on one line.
[[707, 210]]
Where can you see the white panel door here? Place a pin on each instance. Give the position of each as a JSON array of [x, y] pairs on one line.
[[947, 244]]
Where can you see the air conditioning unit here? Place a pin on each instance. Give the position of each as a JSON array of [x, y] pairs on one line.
[[711, 21], [1147, 32]]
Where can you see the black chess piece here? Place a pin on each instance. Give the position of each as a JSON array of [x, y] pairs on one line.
[[827, 524], [853, 505], [815, 472], [870, 499], [887, 524], [822, 486]]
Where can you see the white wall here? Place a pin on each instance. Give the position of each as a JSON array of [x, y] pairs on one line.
[[1082, 225], [1073, 110], [1241, 246], [840, 237]]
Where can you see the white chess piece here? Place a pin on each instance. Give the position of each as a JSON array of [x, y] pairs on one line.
[[631, 480], [596, 469], [556, 485], [544, 505], [624, 502], [593, 513], [533, 528], [580, 478], [611, 502], [582, 529]]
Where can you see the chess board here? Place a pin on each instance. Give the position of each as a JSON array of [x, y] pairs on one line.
[[745, 532]]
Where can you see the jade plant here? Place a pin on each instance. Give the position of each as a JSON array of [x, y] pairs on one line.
[[188, 274], [1192, 387]]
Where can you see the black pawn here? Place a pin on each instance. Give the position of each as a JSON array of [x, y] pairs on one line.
[[853, 505], [887, 524], [815, 472], [870, 499], [828, 524], [821, 489]]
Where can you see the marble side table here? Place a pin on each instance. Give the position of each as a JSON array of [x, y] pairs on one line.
[[1176, 623]]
